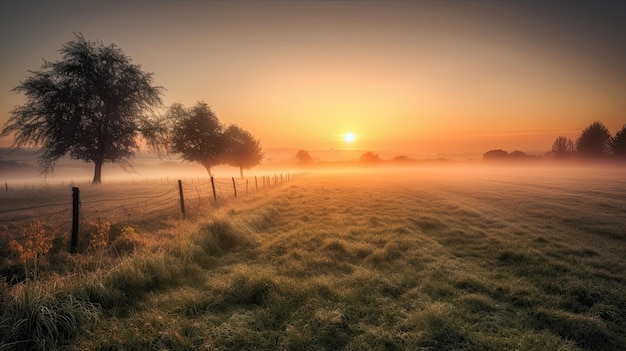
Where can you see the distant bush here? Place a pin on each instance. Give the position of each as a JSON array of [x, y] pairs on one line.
[[501, 155], [369, 157], [495, 155]]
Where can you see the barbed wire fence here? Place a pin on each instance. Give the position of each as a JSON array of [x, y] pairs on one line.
[[184, 199]]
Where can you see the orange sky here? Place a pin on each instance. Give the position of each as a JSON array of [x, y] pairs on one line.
[[406, 77]]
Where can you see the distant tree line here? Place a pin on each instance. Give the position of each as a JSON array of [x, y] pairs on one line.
[[95, 105], [595, 142]]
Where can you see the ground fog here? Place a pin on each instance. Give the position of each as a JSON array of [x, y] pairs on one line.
[[430, 258]]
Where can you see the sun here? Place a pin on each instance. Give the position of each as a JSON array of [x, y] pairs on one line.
[[349, 138]]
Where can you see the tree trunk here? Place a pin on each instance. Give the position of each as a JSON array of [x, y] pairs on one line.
[[97, 174], [241, 172], [208, 169]]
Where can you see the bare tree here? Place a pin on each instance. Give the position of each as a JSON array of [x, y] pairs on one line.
[[92, 105], [563, 146]]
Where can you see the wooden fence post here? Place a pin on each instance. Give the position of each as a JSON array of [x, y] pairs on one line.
[[256, 184], [182, 198], [213, 187], [75, 219], [234, 187], [246, 186]]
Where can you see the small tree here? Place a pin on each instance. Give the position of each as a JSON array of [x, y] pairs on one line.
[[595, 141], [369, 157], [619, 143], [90, 105], [303, 157], [242, 149], [197, 135], [563, 146]]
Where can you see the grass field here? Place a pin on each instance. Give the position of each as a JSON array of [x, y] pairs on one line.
[[442, 258]]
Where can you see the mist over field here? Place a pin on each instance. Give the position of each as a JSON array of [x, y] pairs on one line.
[[450, 256]]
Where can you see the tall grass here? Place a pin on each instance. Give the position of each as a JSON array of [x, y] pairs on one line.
[[427, 262]]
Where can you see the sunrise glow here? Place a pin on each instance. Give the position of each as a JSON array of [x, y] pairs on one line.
[[349, 138], [424, 78]]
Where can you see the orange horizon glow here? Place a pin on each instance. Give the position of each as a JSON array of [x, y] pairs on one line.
[[402, 77]]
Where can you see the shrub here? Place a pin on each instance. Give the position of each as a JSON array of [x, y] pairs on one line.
[[36, 242], [128, 241]]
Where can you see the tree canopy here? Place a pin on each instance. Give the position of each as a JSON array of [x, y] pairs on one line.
[[303, 157], [197, 135], [619, 143], [92, 104], [369, 157], [595, 141], [242, 149]]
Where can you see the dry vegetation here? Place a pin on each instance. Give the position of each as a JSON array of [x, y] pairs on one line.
[[431, 259]]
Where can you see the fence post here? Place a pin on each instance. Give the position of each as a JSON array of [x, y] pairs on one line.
[[234, 187], [182, 198], [75, 219], [256, 184], [246, 186], [213, 187]]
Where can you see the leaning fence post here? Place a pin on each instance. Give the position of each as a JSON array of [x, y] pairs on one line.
[[75, 219], [182, 198], [213, 187], [234, 187]]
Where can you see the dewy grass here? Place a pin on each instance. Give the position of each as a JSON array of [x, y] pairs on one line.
[[35, 318], [434, 261]]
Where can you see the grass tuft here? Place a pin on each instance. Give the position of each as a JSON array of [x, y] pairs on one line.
[[35, 319]]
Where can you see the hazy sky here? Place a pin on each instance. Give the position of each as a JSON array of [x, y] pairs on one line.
[[403, 76]]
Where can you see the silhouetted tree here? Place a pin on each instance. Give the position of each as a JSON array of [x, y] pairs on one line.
[[303, 157], [595, 141], [91, 105], [197, 135], [402, 158], [517, 155], [563, 146], [495, 155], [619, 143], [242, 149], [369, 157]]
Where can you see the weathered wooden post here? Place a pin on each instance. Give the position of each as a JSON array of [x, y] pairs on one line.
[[246, 186], [182, 198], [75, 219], [256, 184], [234, 187], [213, 187]]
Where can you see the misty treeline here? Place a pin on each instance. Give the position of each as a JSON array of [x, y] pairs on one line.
[[95, 105], [594, 142]]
